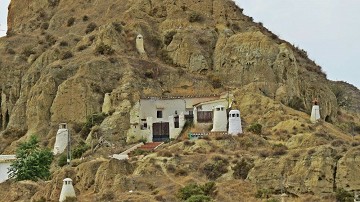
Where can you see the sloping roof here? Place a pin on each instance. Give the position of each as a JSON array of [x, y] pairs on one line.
[[211, 102]]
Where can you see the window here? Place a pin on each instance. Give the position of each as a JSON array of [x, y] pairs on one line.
[[237, 115], [159, 114]]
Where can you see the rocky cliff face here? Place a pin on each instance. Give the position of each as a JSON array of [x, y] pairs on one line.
[[61, 57]]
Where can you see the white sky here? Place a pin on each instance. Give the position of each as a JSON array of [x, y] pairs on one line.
[[329, 30]]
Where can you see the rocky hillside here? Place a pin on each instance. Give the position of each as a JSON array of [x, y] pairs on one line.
[[61, 57]]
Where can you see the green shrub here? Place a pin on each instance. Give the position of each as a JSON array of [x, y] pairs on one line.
[[216, 168], [263, 193], [27, 51], [255, 128], [90, 27], [79, 150], [70, 22], [117, 26], [67, 55], [195, 17], [197, 193], [94, 119], [32, 162], [296, 103], [85, 18], [241, 169], [62, 160], [104, 49], [279, 149], [198, 198], [45, 25], [343, 196], [63, 43]]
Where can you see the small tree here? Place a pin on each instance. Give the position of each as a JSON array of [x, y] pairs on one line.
[[32, 162]]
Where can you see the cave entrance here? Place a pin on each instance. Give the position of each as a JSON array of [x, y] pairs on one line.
[[328, 119]]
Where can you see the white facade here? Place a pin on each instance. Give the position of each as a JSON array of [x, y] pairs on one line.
[[219, 119], [61, 141], [154, 110], [315, 113], [210, 105], [5, 162], [67, 190], [234, 123], [148, 113]]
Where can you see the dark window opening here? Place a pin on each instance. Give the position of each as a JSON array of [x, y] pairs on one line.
[[159, 114]]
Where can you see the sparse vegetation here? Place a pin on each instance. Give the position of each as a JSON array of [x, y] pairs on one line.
[[279, 149], [242, 168], [344, 196], [90, 27], [27, 51], [104, 49], [195, 17], [117, 26], [216, 168], [85, 18], [79, 150], [66, 55], [255, 128], [70, 22], [296, 103]]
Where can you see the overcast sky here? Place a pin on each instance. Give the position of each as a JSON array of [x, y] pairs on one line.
[[329, 30]]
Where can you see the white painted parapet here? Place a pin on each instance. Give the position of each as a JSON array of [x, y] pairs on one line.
[[61, 139], [234, 123], [67, 190], [219, 119]]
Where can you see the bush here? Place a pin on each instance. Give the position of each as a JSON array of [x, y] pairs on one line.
[[197, 193], [216, 168], [63, 43], [343, 196], [27, 51], [117, 26], [85, 18], [90, 27], [67, 55], [169, 37], [82, 47], [241, 169], [296, 103], [255, 128], [78, 151], [62, 160], [215, 81], [32, 162], [70, 22], [195, 17], [263, 193], [337, 143], [45, 25], [279, 149], [104, 49]]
